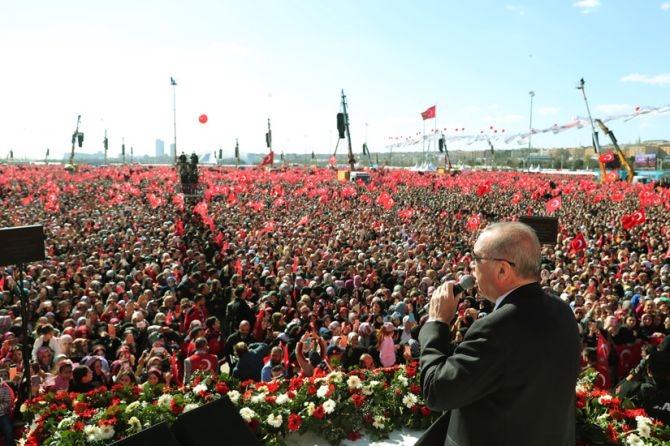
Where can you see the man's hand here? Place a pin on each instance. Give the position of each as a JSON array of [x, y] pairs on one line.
[[443, 303]]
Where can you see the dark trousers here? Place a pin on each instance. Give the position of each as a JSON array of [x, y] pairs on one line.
[[7, 430]]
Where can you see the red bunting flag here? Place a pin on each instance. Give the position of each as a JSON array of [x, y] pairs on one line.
[[554, 204], [636, 218], [578, 243], [332, 161], [429, 113], [607, 157], [267, 159]]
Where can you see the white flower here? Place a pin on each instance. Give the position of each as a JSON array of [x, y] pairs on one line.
[[92, 433], [329, 406], [335, 377], [311, 407], [322, 391], [605, 399], [403, 380], [410, 400], [190, 406], [258, 399], [275, 420], [24, 408], [234, 396], [354, 382], [132, 407], [202, 387], [247, 414], [580, 388], [106, 432], [165, 399], [378, 422], [634, 440], [263, 389], [134, 424], [367, 390], [643, 426], [282, 399], [66, 423]]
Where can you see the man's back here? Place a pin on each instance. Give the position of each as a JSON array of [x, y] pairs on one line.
[[512, 380]]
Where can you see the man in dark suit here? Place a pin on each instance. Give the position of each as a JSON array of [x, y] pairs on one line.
[[511, 381]]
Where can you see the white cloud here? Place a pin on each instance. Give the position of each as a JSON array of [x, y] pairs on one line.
[[516, 9], [665, 6], [658, 79], [586, 6]]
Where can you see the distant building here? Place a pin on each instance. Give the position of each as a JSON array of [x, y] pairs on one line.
[[160, 148], [173, 151]]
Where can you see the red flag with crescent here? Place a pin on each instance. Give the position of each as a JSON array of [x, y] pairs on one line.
[[629, 355], [267, 159], [554, 204], [578, 243], [636, 218], [606, 157], [429, 113]]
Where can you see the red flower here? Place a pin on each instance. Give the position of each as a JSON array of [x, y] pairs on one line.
[[196, 381], [294, 422], [411, 370], [221, 388], [358, 399], [415, 389], [353, 436], [426, 412], [253, 424], [311, 389], [612, 434], [270, 399], [176, 408], [319, 413]]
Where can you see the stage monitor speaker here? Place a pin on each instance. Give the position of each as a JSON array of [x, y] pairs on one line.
[[157, 434], [218, 422], [340, 125]]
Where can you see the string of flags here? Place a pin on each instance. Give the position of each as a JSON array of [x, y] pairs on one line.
[[459, 134]]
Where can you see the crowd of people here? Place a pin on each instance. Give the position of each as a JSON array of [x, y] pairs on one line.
[[290, 272]]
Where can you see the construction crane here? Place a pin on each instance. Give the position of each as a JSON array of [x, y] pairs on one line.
[[620, 154]]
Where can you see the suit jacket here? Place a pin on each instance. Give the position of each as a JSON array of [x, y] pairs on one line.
[[512, 379]]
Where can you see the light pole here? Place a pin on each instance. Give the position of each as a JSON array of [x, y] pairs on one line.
[[530, 124], [174, 115]]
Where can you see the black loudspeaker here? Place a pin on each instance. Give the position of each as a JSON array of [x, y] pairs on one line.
[[340, 125], [159, 434], [218, 422]]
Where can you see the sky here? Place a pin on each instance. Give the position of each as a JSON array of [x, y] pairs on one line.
[[241, 63]]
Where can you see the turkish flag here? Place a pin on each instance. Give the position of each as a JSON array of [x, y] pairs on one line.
[[429, 113], [578, 243], [607, 157], [303, 221], [629, 356], [617, 197], [636, 218], [473, 222], [516, 197], [267, 159], [611, 176], [554, 204]]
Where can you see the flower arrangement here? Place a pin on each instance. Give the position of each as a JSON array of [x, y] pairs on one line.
[[607, 420], [338, 406]]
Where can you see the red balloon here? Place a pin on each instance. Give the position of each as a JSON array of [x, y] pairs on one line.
[[462, 129], [491, 127], [202, 118]]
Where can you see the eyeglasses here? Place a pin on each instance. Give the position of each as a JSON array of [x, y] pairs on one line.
[[478, 259]]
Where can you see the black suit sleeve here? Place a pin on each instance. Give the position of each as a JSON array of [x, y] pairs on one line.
[[474, 370]]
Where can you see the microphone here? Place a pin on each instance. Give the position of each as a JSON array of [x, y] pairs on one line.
[[466, 282]]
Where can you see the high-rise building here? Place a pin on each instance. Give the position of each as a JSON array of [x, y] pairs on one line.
[[173, 150], [160, 148]]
